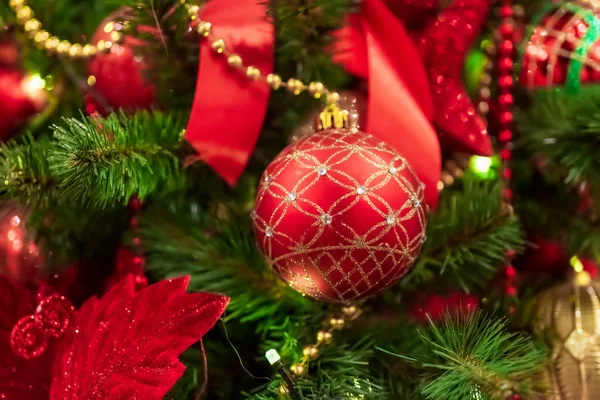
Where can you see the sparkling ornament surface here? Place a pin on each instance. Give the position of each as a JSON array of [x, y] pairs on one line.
[[563, 46], [568, 317], [119, 74], [349, 233], [28, 339], [54, 314]]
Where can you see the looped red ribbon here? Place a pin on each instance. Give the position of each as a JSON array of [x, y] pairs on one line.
[[229, 109], [375, 46]]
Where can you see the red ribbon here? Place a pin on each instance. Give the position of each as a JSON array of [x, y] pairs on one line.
[[229, 109], [375, 46]]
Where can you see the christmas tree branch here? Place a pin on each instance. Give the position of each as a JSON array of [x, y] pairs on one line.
[[341, 371], [219, 253], [467, 237], [25, 172], [565, 129], [474, 355], [101, 162]]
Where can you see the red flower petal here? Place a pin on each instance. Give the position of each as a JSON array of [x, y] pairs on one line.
[[126, 344]]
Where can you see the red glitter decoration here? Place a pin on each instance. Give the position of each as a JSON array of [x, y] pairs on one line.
[[434, 306], [125, 345], [20, 378], [340, 215], [119, 73], [53, 314], [443, 46], [28, 339]]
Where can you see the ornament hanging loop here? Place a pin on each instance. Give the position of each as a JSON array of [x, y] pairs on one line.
[[333, 117]]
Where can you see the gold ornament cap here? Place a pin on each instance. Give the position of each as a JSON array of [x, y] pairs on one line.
[[333, 117]]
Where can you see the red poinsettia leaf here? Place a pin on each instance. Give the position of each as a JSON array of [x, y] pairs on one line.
[[125, 345], [20, 379]]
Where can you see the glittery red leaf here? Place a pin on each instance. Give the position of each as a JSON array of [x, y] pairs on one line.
[[20, 379], [125, 345]]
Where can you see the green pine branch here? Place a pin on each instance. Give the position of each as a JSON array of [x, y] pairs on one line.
[[25, 172], [474, 356], [216, 247], [565, 128], [467, 237], [342, 371], [102, 162]]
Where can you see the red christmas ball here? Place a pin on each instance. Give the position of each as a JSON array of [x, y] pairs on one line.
[[545, 254], [340, 215], [119, 74], [557, 42], [20, 98], [434, 306]]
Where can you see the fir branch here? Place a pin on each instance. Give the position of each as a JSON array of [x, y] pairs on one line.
[[472, 355], [101, 162], [217, 249], [565, 128], [342, 371], [467, 237], [25, 172]]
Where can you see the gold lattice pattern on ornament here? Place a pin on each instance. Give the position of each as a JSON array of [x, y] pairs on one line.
[[343, 153], [561, 35]]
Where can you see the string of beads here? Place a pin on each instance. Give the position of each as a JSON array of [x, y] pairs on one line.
[[54, 45]]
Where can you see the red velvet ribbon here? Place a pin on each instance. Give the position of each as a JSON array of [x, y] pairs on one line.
[[375, 46], [229, 109]]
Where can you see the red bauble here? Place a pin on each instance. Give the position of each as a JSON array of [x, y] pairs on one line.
[[20, 99], [120, 73], [434, 306], [340, 215], [545, 254], [561, 39]]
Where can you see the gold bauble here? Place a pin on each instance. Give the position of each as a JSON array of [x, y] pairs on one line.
[[568, 318]]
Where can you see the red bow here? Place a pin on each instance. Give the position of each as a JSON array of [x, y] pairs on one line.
[[375, 46], [229, 109]]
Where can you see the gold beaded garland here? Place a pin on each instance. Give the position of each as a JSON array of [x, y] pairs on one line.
[[298, 370], [336, 323], [293, 85], [311, 352], [324, 337], [252, 72], [52, 44], [283, 390], [234, 60]]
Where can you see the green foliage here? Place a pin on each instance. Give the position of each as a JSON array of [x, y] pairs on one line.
[[467, 237], [565, 128], [474, 356], [342, 371], [102, 162], [217, 249], [25, 171]]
